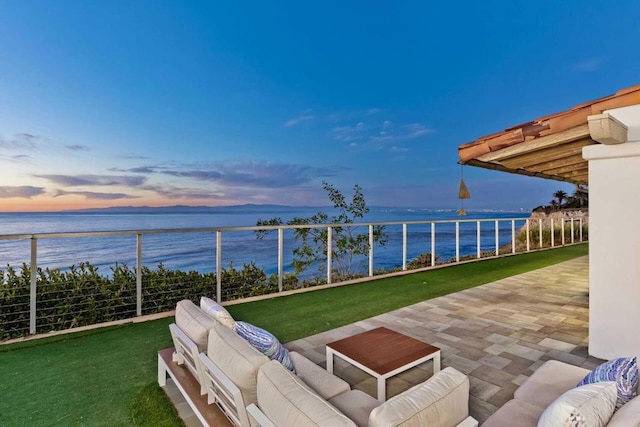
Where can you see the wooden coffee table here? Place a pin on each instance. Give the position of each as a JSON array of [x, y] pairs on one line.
[[383, 353]]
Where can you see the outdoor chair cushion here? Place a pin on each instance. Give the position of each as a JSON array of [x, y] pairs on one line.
[[236, 358], [440, 401], [589, 405], [515, 413], [356, 405], [319, 380], [217, 311], [287, 401], [194, 323], [549, 381], [628, 415]]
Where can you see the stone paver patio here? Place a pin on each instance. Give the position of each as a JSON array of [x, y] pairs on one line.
[[497, 333]]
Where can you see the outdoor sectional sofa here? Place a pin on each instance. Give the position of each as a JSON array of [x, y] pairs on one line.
[[550, 395], [235, 375]]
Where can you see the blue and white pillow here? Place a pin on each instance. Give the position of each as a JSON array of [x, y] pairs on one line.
[[266, 343], [624, 371]]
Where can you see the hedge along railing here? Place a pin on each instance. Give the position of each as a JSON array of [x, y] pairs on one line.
[[529, 239]]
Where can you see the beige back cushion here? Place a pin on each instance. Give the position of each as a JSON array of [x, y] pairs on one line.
[[287, 401], [194, 323], [441, 401], [237, 359]]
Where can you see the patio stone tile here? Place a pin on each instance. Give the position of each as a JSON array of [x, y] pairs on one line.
[[526, 352], [557, 345], [462, 364], [482, 389], [492, 375], [504, 394], [495, 362]]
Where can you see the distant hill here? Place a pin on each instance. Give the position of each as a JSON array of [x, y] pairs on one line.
[[182, 209]]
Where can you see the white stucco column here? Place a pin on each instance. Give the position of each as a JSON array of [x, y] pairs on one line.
[[614, 242]]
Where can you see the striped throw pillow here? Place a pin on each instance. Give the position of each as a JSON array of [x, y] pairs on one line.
[[265, 342]]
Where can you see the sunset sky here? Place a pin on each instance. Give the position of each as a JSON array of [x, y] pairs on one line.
[[156, 103]]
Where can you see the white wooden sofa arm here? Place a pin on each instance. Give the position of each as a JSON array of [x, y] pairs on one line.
[[186, 353], [257, 418], [223, 391]]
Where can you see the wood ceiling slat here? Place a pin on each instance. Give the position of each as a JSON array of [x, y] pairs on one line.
[[547, 154]]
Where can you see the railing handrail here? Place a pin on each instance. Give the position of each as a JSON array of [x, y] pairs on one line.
[[67, 234]]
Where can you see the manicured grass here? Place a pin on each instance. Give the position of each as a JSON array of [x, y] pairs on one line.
[[108, 377]]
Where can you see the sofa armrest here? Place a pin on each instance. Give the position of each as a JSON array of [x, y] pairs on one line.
[[319, 380], [257, 418], [440, 401], [186, 351]]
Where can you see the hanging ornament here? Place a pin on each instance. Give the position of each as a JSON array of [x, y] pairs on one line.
[[462, 194]]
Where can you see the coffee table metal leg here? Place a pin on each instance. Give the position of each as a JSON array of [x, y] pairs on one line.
[[382, 389], [436, 363], [329, 353]]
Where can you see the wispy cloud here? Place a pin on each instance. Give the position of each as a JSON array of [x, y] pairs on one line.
[[21, 141], [184, 193], [591, 64], [300, 119], [254, 174], [24, 191], [379, 135], [349, 133], [77, 147], [94, 180], [90, 195], [23, 158]]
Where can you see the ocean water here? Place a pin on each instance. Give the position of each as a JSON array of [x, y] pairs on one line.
[[197, 251]]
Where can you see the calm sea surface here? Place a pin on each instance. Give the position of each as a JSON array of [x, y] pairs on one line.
[[197, 251]]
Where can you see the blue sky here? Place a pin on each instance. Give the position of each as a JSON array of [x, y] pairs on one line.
[[215, 103]]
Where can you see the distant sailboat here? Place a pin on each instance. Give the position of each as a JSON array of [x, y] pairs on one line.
[[463, 194]]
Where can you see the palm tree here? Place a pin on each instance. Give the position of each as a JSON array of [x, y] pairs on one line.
[[581, 196], [553, 204], [560, 196]]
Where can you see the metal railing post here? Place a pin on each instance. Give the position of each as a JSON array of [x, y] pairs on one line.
[[219, 266], [370, 250], [329, 252], [139, 274], [540, 231], [553, 234], [433, 244], [34, 284], [513, 236], [280, 256], [572, 231], [457, 241], [404, 246], [581, 229], [528, 237], [562, 229], [497, 238], [478, 240]]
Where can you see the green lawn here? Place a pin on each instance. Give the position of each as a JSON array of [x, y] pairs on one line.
[[108, 377]]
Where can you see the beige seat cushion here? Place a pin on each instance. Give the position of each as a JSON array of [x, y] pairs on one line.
[[322, 382], [628, 415], [515, 413], [356, 405], [549, 381], [440, 401], [237, 359], [194, 323], [287, 401]]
